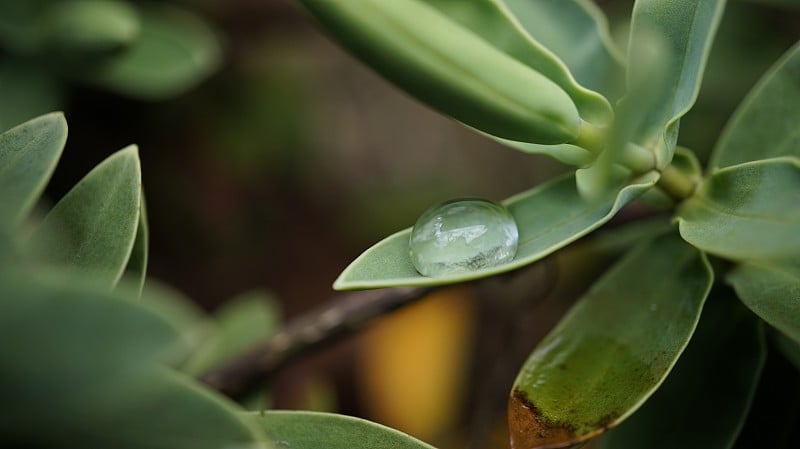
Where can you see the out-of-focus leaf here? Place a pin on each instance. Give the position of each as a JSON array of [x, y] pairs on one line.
[[21, 27], [688, 29], [92, 25], [577, 32], [492, 20], [451, 68], [549, 217], [765, 124], [747, 211], [26, 92], [81, 362], [771, 289], [93, 228], [240, 323], [137, 263], [28, 155], [612, 349], [314, 430], [719, 371], [175, 51]]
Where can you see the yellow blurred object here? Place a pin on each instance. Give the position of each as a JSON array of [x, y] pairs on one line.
[[414, 364]]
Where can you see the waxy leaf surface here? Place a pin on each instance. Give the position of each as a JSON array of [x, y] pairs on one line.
[[449, 67], [313, 430], [704, 401], [765, 125], [549, 217], [771, 289], [746, 212], [28, 155], [492, 21], [93, 228], [612, 349], [687, 29], [576, 31], [136, 267]]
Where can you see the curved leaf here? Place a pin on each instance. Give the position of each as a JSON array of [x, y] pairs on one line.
[[564, 152], [28, 155], [577, 32], [613, 348], [492, 20], [93, 228], [772, 291], [747, 211], [687, 28], [765, 124], [174, 52], [87, 373], [92, 25], [450, 68], [137, 263], [549, 217], [719, 371], [314, 430]]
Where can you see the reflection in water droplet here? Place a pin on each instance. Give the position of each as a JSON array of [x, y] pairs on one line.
[[461, 236]]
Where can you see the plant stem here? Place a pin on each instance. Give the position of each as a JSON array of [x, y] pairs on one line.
[[677, 184], [346, 315], [590, 138]]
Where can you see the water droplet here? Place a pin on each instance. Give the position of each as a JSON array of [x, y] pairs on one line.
[[461, 236]]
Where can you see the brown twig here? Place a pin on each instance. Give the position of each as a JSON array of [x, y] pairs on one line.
[[344, 316]]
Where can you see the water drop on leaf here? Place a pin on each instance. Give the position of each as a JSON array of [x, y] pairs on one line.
[[461, 236]]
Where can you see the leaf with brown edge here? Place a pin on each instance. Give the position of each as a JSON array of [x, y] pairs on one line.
[[613, 348]]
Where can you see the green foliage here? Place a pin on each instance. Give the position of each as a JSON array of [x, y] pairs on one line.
[[151, 51], [613, 348], [314, 430]]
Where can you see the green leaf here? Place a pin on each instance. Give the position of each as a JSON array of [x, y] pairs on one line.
[[719, 371], [93, 228], [549, 217], [747, 211], [765, 124], [137, 263], [27, 91], [567, 153], [577, 32], [687, 28], [174, 52], [451, 68], [771, 289], [613, 348], [92, 25], [28, 155], [493, 21], [87, 373], [314, 430], [241, 322]]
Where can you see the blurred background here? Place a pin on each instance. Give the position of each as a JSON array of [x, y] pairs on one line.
[[279, 158]]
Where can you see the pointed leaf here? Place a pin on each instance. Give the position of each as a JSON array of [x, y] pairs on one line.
[[451, 68], [577, 32], [612, 349], [719, 371], [549, 217], [772, 291], [93, 228], [747, 211], [493, 21], [137, 263], [92, 25], [765, 124], [241, 322], [174, 52], [688, 29], [314, 430], [28, 155]]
